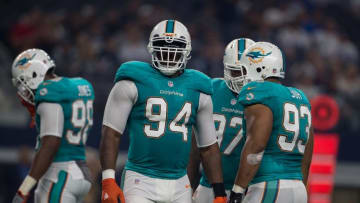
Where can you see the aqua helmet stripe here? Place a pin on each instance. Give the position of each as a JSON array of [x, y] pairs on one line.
[[284, 61], [169, 26], [241, 48]]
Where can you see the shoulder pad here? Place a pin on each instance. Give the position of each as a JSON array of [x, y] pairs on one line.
[[255, 93], [60, 89], [133, 70], [200, 81], [303, 96], [215, 81], [87, 91]]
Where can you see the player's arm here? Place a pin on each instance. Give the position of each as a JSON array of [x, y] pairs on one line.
[[109, 147], [259, 121], [208, 147], [194, 163], [308, 157], [119, 104], [51, 129]]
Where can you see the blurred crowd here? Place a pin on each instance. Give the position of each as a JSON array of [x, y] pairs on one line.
[[92, 38]]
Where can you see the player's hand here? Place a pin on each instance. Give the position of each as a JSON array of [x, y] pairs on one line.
[[111, 192], [31, 109], [236, 197], [220, 200], [20, 198]]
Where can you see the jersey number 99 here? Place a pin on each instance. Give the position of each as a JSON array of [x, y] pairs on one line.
[[81, 119]]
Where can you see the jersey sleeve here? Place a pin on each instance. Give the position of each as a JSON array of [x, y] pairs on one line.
[[55, 91], [255, 93], [205, 128], [132, 70], [123, 72], [49, 93], [200, 82], [305, 98], [51, 119], [119, 104]]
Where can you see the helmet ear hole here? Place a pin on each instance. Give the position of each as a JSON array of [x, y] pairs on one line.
[[258, 69], [34, 75]]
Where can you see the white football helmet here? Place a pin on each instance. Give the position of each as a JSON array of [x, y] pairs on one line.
[[261, 61], [169, 46], [232, 56], [29, 70]]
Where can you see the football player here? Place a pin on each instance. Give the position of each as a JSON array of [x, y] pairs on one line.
[[228, 117], [276, 157], [63, 110], [159, 103]]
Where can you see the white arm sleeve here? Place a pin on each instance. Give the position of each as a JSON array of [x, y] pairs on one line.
[[51, 119], [205, 127], [119, 104]]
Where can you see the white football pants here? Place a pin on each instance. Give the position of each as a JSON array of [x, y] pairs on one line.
[[139, 188], [204, 194], [278, 191], [64, 190]]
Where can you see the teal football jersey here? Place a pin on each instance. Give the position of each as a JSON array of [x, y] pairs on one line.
[[291, 127], [76, 96], [160, 122], [230, 131]]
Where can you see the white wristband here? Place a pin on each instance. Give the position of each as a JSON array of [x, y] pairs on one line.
[[108, 173], [28, 183], [238, 189]]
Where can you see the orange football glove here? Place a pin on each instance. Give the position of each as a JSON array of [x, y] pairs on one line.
[[111, 192], [220, 200], [31, 109]]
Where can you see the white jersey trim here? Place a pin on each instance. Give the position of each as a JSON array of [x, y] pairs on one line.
[[205, 128], [121, 99], [51, 119]]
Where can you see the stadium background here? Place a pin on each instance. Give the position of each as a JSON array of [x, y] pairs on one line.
[[92, 38]]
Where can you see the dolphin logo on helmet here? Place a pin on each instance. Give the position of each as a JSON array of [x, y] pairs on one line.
[[23, 62], [257, 54]]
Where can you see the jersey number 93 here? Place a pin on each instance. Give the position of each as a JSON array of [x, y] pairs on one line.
[[291, 123]]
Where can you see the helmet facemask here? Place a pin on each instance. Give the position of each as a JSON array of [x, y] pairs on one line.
[[169, 54], [23, 89], [234, 70], [234, 77]]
